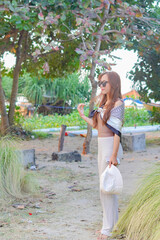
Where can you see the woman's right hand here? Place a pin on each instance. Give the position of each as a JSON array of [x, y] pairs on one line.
[[80, 109]]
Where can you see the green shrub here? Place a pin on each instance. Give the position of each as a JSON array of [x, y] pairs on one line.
[[41, 135], [155, 115], [138, 117], [132, 117], [14, 180], [7, 86], [140, 221], [54, 121], [18, 117]]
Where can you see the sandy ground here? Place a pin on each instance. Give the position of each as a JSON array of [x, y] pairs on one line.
[[68, 206]]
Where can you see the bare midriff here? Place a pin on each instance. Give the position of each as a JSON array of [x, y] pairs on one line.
[[103, 130]]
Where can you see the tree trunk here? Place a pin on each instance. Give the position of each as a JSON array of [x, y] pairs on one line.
[[4, 116], [61, 138], [19, 59], [86, 144]]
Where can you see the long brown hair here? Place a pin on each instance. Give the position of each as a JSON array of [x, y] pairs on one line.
[[112, 96]]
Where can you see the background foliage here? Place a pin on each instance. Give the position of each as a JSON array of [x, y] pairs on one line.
[[146, 72], [38, 89], [140, 117], [7, 86], [146, 76]]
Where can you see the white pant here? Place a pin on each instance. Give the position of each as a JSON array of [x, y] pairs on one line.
[[109, 201]]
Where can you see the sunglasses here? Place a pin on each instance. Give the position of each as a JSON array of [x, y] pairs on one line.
[[102, 83]]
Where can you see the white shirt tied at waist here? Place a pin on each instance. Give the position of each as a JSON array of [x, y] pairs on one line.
[[116, 117]]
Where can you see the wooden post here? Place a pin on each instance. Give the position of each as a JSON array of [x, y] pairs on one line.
[[61, 138]]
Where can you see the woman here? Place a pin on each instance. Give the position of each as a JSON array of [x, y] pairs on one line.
[[107, 119]]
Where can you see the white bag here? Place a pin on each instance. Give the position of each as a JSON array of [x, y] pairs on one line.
[[111, 181]]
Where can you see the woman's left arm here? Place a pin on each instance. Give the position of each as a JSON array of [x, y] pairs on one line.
[[113, 158]]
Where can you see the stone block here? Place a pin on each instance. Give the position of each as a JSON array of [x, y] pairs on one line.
[[134, 142], [66, 156], [28, 157]]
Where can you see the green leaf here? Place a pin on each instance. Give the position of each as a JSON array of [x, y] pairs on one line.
[[12, 8], [18, 22], [63, 18], [128, 31], [130, 44], [27, 27], [86, 4], [79, 51]]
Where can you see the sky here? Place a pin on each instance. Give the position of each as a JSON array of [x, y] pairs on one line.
[[123, 65]]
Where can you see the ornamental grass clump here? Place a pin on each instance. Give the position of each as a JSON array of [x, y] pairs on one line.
[[141, 219], [15, 182]]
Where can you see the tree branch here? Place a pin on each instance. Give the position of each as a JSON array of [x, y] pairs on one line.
[[113, 31], [99, 19], [97, 47], [83, 42]]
